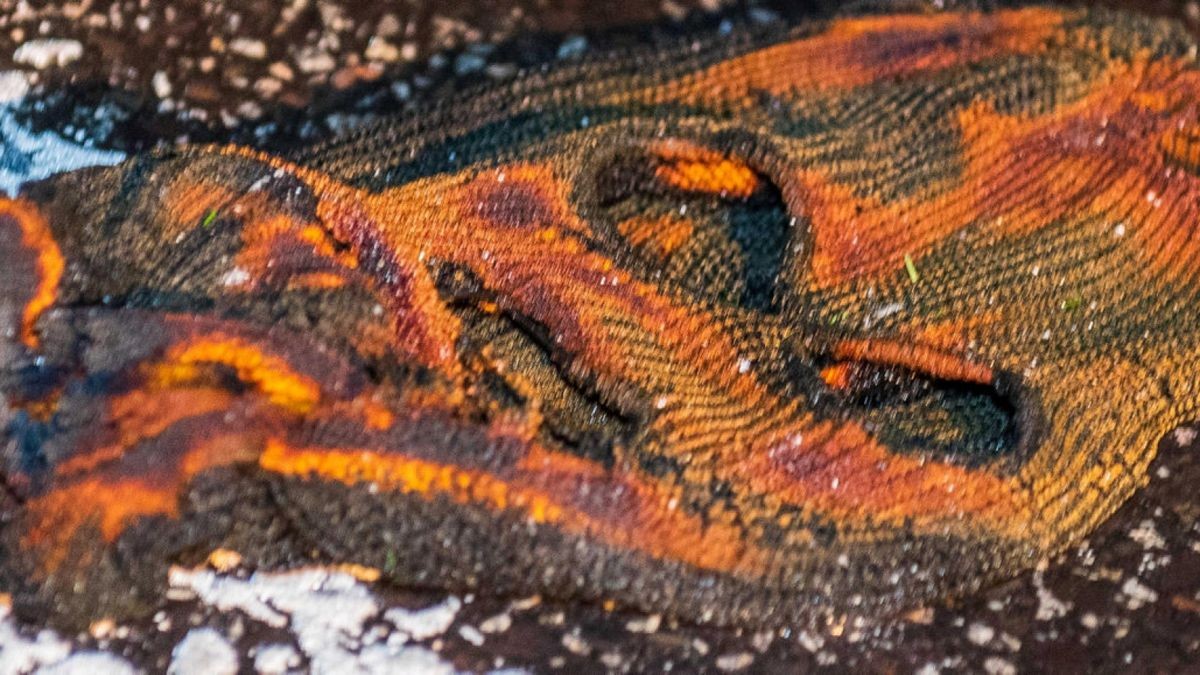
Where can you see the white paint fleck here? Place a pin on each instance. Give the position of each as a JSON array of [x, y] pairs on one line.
[[1119, 230], [1049, 606], [48, 52], [1147, 535], [422, 624], [26, 156], [46, 652], [13, 85], [743, 365], [409, 660], [22, 654], [89, 663], [275, 659], [203, 650], [326, 611], [1138, 594]]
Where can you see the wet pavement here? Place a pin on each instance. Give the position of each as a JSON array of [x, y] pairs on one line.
[[127, 76]]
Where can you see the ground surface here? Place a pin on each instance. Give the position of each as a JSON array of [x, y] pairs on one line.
[[106, 78]]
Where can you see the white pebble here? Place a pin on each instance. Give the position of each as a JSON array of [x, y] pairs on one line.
[[49, 52]]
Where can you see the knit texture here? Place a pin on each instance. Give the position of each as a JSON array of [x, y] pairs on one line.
[[756, 332]]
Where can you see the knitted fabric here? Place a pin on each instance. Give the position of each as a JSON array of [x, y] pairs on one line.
[[842, 321]]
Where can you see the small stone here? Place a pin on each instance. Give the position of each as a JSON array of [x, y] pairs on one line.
[[576, 645], [161, 84], [611, 660], [379, 49], [921, 615], [526, 603], [468, 63], [1186, 435], [980, 634], [350, 76], [501, 71], [810, 641], [312, 61], [733, 662], [388, 26], [1147, 535], [249, 48], [763, 15], [102, 629], [1013, 643], [224, 560], [48, 52], [249, 110], [281, 71], [1138, 593], [267, 87], [572, 47], [471, 634], [673, 10], [994, 665], [649, 624], [496, 624]]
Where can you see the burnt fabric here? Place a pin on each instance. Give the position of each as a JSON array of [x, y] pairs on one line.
[[762, 330]]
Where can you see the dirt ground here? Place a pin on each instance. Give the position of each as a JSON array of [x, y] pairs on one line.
[[130, 75]]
